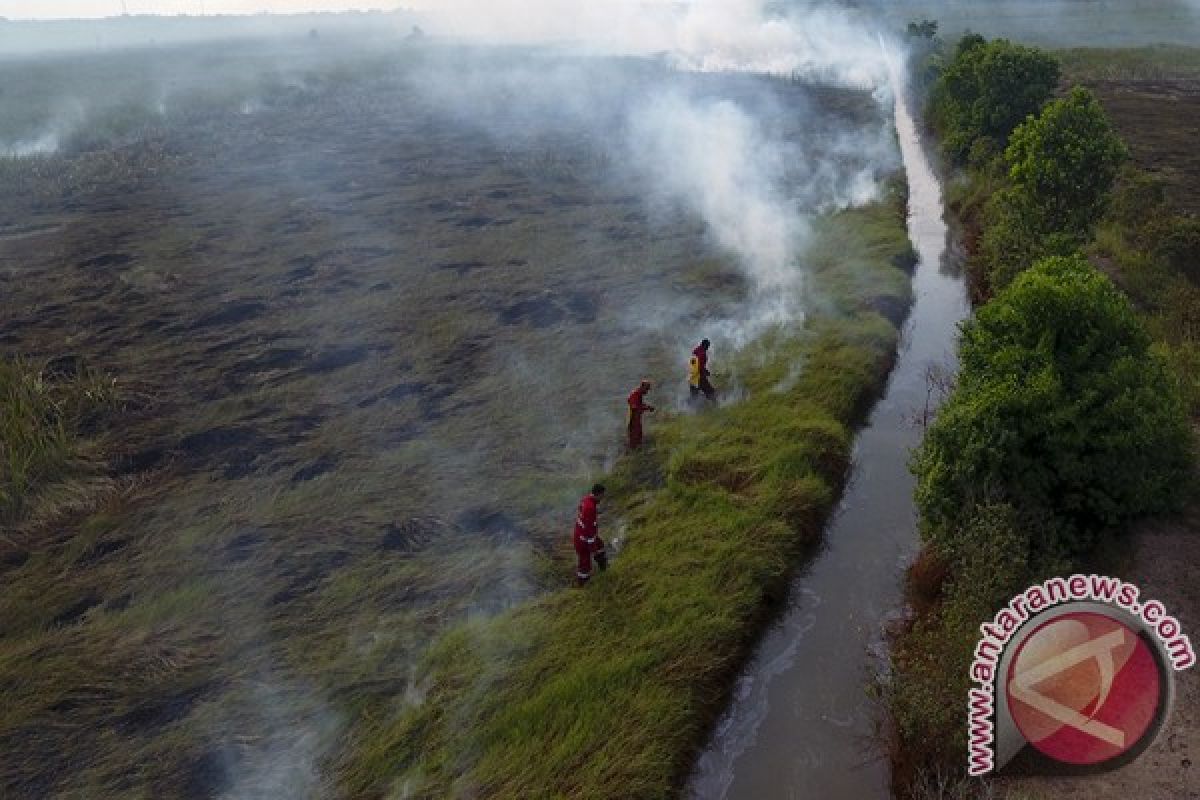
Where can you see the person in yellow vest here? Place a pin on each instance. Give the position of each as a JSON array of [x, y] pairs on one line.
[[698, 382]]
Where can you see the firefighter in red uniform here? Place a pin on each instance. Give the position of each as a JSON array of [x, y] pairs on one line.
[[588, 544], [637, 407], [698, 373]]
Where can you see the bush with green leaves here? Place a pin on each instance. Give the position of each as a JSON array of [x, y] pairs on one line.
[[1062, 409], [987, 89], [1063, 162], [1015, 236], [925, 29], [1062, 165], [926, 55]]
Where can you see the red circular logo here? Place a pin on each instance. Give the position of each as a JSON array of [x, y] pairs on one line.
[[1084, 688]]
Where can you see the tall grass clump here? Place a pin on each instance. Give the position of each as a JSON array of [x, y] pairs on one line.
[[44, 421]]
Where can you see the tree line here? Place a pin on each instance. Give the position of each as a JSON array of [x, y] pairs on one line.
[[1067, 420]]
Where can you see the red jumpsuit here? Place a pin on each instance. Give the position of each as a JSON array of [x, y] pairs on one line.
[[587, 538], [702, 383], [637, 406]]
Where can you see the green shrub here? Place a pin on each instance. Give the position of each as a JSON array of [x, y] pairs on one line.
[[1014, 237], [987, 89], [925, 29], [1064, 161], [926, 54], [1011, 239], [1062, 409], [1184, 359]]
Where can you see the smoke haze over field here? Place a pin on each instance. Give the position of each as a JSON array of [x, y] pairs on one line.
[[391, 293], [42, 9], [733, 162], [818, 40], [430, 221]]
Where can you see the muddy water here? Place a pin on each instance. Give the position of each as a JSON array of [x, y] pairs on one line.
[[802, 724]]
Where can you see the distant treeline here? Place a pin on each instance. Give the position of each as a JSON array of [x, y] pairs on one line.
[[1068, 420]]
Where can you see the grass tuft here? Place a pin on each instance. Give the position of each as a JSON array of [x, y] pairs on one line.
[[44, 419]]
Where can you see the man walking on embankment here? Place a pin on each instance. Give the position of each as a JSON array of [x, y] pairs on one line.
[[637, 407], [588, 544]]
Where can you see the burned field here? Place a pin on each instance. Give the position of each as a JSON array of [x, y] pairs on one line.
[[367, 355], [1152, 95]]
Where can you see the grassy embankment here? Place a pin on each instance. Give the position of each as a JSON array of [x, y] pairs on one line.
[[1053, 351], [608, 692]]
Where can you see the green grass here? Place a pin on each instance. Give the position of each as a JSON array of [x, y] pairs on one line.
[[942, 785], [607, 692], [42, 419], [1168, 303]]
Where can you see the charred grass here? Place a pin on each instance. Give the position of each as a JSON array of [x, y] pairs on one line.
[[1152, 96]]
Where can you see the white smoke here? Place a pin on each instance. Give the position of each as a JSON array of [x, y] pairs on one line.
[[704, 35], [727, 160], [67, 117], [42, 144], [299, 730], [714, 157]]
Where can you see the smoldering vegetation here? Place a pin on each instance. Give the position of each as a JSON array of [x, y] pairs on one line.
[[751, 159], [374, 316]]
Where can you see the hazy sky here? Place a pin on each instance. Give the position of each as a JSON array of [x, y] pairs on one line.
[[27, 9]]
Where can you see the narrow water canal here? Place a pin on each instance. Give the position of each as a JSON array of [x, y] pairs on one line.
[[801, 724]]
